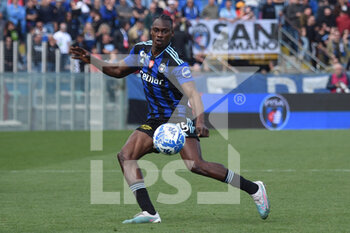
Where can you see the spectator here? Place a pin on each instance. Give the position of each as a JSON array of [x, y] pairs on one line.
[[346, 40], [97, 54], [10, 31], [171, 9], [307, 13], [84, 6], [228, 13], [39, 29], [248, 14], [304, 43], [97, 5], [305, 4], [73, 24], [322, 4], [89, 36], [121, 38], [292, 14], [328, 18], [36, 52], [16, 14], [95, 19], [268, 10], [342, 5], [137, 33], [336, 47], [139, 12], [279, 6], [190, 11], [343, 21], [46, 15], [254, 7], [311, 33], [321, 37], [181, 41], [124, 11], [31, 15], [3, 8], [2, 23], [160, 6], [108, 45], [146, 3], [151, 15], [63, 40], [8, 54], [80, 43], [240, 9], [102, 30], [60, 13], [210, 11], [339, 81], [51, 54], [108, 12], [75, 10]]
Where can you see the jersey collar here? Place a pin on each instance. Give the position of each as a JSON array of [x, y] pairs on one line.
[[161, 52]]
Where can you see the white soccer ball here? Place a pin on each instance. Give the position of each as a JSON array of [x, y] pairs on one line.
[[169, 139]]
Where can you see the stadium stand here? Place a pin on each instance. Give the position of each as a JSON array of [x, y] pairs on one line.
[[314, 34]]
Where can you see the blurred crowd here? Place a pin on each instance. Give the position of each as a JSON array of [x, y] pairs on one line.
[[112, 27]]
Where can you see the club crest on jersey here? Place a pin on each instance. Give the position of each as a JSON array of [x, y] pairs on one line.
[[161, 68], [186, 73]]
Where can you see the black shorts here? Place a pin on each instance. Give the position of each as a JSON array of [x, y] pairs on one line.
[[187, 125]]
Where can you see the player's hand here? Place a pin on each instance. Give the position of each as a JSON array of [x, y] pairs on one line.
[[80, 53], [202, 130]]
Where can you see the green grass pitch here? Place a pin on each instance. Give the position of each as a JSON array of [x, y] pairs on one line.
[[45, 184]]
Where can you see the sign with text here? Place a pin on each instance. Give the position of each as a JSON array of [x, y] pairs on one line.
[[242, 37]]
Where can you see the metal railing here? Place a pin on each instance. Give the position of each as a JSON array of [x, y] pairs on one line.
[[320, 66], [28, 61], [61, 102]]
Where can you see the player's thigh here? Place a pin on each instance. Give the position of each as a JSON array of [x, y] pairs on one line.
[[137, 145], [191, 152]]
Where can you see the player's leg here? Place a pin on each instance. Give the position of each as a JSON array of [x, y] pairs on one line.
[[138, 144], [191, 154]]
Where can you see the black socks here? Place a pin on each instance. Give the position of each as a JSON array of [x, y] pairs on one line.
[[144, 201]]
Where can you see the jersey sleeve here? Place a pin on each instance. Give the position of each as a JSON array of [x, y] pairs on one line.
[[183, 73], [131, 59]]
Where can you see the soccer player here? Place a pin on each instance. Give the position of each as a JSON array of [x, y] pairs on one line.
[[168, 86]]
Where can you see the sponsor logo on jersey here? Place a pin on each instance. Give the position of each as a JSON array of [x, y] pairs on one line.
[[150, 78], [274, 112], [143, 56], [186, 73], [161, 68]]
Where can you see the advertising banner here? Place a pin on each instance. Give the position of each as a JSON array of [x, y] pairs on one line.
[[217, 37]]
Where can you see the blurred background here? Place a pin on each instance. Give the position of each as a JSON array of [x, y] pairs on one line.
[[298, 49]]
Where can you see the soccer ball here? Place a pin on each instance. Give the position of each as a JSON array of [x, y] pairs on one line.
[[169, 139]]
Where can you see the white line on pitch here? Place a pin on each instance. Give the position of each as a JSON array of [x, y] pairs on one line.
[[119, 171]]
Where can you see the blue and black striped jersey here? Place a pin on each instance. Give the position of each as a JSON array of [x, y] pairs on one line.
[[162, 77]]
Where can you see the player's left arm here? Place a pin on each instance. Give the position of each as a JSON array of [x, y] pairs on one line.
[[197, 105]]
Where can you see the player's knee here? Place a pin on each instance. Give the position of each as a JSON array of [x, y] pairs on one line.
[[122, 156]]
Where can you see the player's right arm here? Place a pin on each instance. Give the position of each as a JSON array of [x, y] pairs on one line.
[[118, 70]]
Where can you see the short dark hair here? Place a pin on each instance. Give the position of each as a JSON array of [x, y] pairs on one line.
[[165, 18], [123, 23]]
